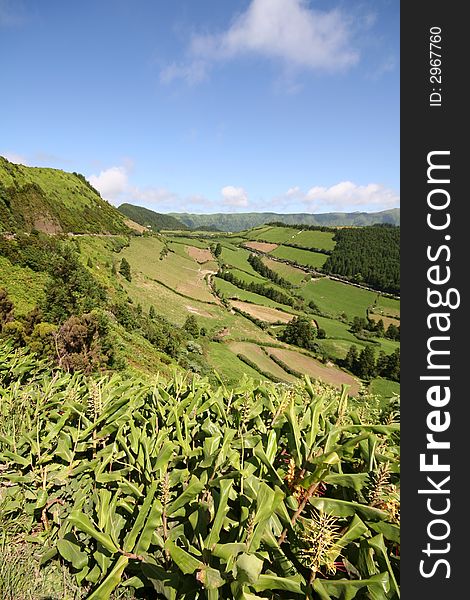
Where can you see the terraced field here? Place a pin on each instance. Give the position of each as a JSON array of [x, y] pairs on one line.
[[261, 246], [258, 356], [316, 260], [335, 298], [289, 273], [263, 313], [298, 236], [313, 368]]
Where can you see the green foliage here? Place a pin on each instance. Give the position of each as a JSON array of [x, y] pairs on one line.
[[193, 492], [53, 201], [300, 332], [125, 269], [190, 326], [71, 290], [218, 250]]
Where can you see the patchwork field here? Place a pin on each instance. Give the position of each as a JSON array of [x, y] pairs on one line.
[[257, 355], [298, 236], [263, 313], [228, 290], [288, 272], [335, 298], [302, 257], [313, 368], [200, 255], [261, 246], [182, 274]]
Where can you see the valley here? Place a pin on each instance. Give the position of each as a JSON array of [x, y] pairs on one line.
[[242, 291]]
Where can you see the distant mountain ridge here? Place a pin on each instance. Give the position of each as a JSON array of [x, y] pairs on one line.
[[242, 221], [149, 218], [53, 201]]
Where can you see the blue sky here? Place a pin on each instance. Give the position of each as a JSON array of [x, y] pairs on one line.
[[208, 105]]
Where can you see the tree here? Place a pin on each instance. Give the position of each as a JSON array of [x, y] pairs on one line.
[[125, 270], [393, 367], [393, 332], [218, 250], [72, 289], [350, 362], [379, 328], [300, 332], [191, 326], [152, 313], [366, 363]]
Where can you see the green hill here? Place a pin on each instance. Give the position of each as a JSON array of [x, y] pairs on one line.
[[53, 201], [242, 221], [150, 218]]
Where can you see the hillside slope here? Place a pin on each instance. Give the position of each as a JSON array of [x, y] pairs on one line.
[[242, 221], [149, 218], [53, 201]]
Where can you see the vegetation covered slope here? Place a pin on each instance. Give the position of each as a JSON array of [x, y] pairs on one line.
[[149, 218], [53, 201], [242, 221]]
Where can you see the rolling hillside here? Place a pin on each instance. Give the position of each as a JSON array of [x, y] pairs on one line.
[[241, 221], [53, 201], [149, 218]]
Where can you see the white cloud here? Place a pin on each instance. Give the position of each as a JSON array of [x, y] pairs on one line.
[[288, 31], [13, 157], [234, 196], [348, 196], [112, 183]]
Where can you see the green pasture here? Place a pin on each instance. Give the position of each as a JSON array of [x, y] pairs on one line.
[[335, 298], [302, 257]]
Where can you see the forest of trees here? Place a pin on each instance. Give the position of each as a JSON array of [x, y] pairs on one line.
[[369, 255], [365, 365]]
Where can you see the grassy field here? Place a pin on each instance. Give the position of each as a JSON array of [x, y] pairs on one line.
[[228, 290], [306, 364], [230, 368], [315, 239], [263, 313], [384, 387], [237, 258], [25, 287], [190, 241], [291, 235], [336, 298], [178, 272], [288, 272], [301, 257], [387, 307], [261, 359]]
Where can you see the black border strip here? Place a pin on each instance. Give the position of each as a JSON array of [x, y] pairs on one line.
[[428, 128]]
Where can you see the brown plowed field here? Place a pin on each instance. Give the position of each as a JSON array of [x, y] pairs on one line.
[[263, 313], [200, 255], [313, 368], [261, 246]]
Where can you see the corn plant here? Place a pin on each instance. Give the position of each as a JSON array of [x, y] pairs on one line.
[[262, 491]]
